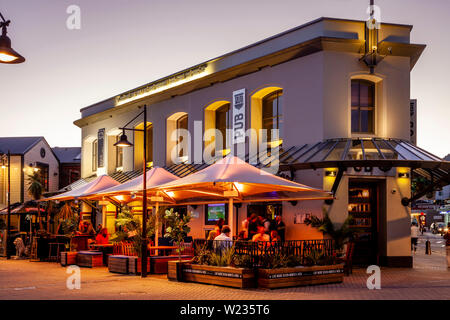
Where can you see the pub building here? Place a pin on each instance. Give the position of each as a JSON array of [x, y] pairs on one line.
[[337, 90]]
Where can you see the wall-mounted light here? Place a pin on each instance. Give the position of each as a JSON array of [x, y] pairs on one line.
[[403, 175], [330, 173]]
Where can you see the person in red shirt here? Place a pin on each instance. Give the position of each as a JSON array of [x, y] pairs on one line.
[[102, 237]]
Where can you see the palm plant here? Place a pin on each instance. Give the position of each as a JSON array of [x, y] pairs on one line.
[[35, 190], [325, 225]]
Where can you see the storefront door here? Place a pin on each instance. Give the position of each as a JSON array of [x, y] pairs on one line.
[[363, 200]]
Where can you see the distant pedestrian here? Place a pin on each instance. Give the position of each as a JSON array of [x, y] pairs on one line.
[[414, 236], [447, 244]]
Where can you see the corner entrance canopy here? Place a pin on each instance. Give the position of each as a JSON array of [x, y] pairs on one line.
[[368, 153], [375, 152], [96, 185], [232, 177]]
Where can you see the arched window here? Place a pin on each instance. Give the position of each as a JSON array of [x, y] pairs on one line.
[[177, 140], [182, 124], [267, 114], [363, 106], [217, 117], [94, 155], [138, 142], [272, 114]]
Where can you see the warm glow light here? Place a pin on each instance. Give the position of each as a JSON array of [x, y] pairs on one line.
[[35, 169], [187, 76], [119, 198], [7, 57], [3, 167], [239, 186], [170, 193], [275, 143]]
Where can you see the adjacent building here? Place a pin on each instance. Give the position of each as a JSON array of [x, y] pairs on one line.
[[337, 95], [69, 164], [28, 155]]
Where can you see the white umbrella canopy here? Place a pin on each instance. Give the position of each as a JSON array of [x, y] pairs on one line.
[[100, 183], [155, 177], [233, 177]]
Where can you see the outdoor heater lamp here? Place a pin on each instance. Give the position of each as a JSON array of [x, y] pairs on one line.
[[7, 54]]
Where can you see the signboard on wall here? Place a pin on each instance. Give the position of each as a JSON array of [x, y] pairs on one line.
[[101, 148], [239, 116], [413, 121]]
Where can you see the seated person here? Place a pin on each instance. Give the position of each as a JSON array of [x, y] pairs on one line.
[[261, 235], [85, 228], [102, 237], [274, 236], [223, 241], [214, 233], [225, 235], [242, 236]]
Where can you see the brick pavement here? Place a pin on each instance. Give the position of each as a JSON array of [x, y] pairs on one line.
[[21, 279]]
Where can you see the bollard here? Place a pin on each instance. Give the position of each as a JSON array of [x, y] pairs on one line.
[[427, 247]]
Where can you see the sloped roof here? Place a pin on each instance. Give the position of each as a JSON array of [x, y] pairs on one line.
[[68, 154], [18, 145]]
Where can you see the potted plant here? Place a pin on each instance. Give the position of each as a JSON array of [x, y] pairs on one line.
[[177, 229], [223, 267], [339, 235], [129, 228]]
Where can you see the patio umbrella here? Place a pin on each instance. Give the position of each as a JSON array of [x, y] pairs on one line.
[[123, 193], [235, 180], [100, 183]]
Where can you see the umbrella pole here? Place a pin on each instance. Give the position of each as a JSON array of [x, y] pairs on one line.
[[231, 216], [156, 226]]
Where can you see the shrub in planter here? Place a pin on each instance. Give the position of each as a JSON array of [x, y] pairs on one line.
[[315, 268]]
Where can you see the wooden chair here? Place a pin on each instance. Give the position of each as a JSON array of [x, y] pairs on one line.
[[348, 258]]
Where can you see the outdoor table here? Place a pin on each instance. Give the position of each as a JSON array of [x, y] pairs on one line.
[[106, 249], [164, 249]]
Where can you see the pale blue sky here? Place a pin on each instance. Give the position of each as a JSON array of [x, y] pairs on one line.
[[123, 44]]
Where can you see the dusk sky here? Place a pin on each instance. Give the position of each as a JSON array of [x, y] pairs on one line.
[[124, 44]]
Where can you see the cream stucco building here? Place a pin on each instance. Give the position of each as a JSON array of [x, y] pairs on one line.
[[339, 94]]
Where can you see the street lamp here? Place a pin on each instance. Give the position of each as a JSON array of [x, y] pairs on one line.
[[123, 142], [7, 54], [8, 223]]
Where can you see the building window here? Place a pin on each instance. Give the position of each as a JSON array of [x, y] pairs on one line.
[[149, 150], [272, 114], [94, 155], [139, 142], [363, 106], [119, 154], [182, 123], [222, 124]]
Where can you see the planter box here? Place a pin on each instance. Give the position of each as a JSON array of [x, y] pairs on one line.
[[134, 265], [159, 264], [300, 276], [68, 258], [118, 264], [222, 276], [90, 259]]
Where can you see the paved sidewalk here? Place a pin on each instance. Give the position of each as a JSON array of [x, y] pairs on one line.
[[21, 279]]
